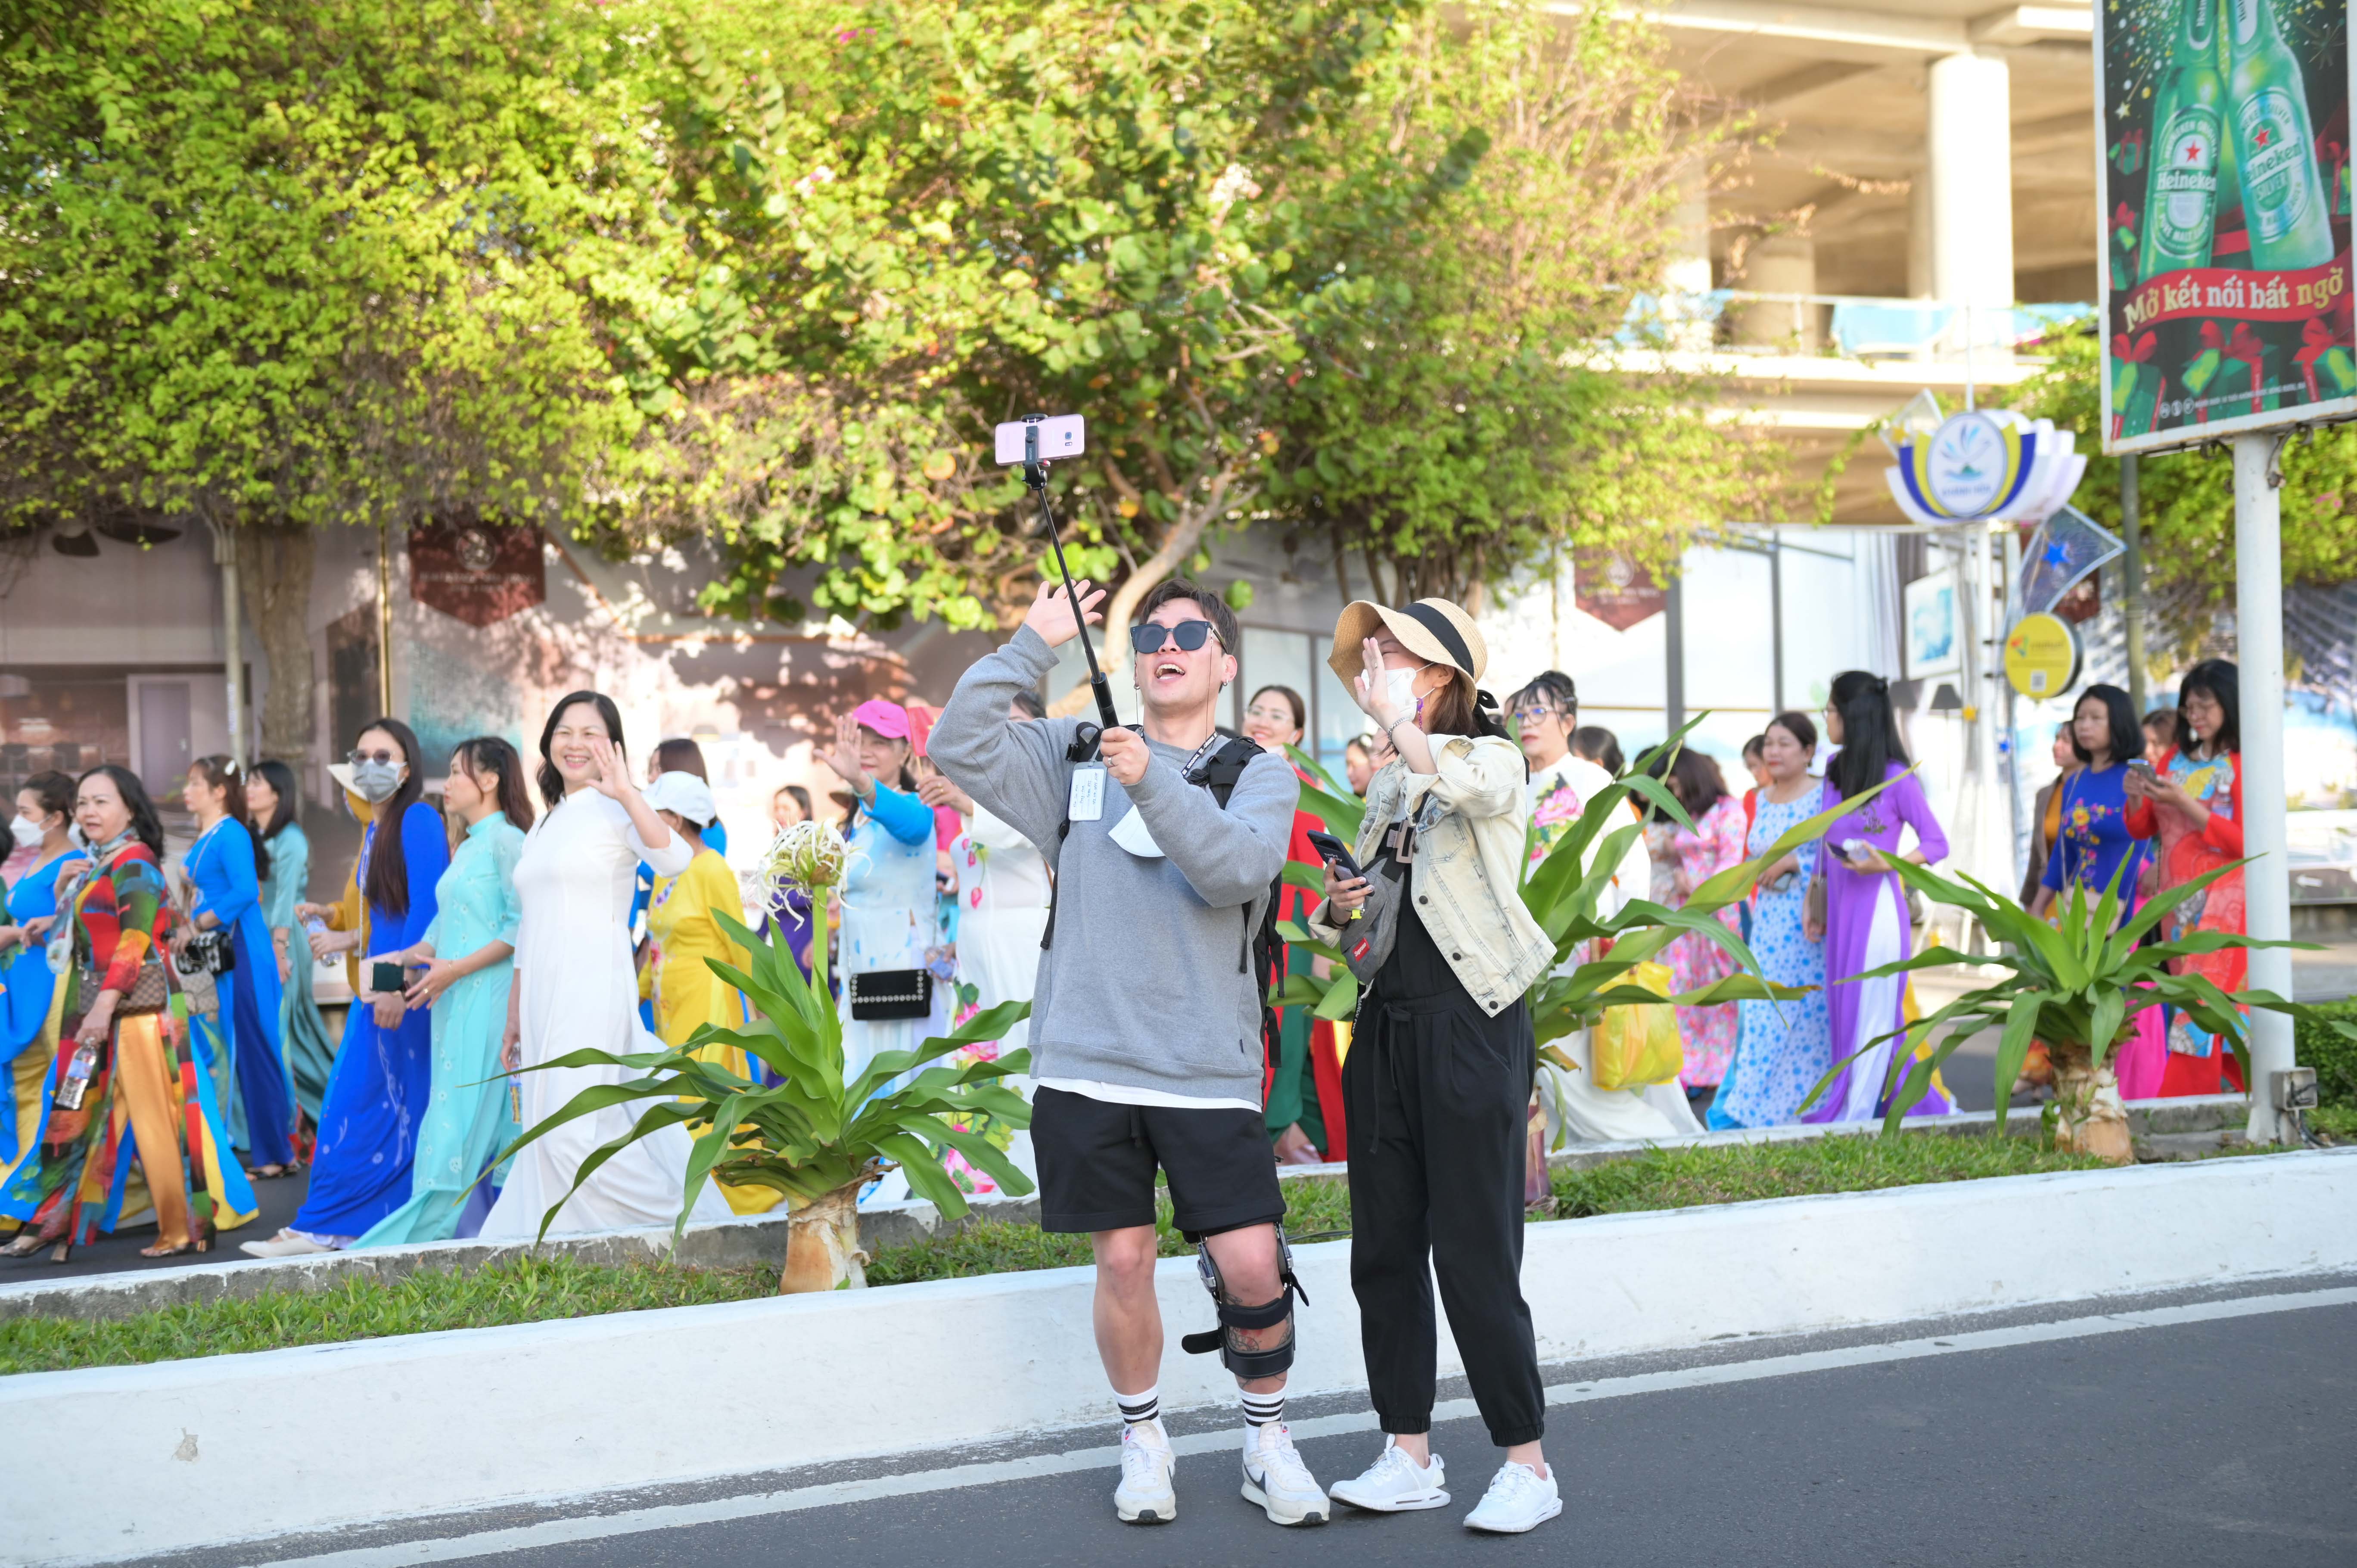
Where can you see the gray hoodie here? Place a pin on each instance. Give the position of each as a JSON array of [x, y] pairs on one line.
[[1148, 984]]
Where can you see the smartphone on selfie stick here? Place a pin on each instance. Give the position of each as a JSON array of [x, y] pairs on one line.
[[1031, 441]]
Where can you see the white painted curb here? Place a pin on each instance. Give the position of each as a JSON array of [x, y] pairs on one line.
[[233, 1447]]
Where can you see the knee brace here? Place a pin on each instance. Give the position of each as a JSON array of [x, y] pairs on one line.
[[1239, 1359]]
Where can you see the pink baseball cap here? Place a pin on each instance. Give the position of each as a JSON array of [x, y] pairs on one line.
[[889, 720]]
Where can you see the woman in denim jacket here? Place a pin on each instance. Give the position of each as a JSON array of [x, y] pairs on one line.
[[1437, 1084]]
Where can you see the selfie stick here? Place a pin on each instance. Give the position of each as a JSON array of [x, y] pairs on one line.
[[1035, 475]]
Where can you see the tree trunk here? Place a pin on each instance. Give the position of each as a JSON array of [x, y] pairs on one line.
[[2090, 1117], [822, 1245], [273, 575]]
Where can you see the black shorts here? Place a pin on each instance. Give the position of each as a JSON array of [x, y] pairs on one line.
[[1097, 1159]]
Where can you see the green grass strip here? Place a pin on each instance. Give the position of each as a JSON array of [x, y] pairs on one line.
[[535, 1290]]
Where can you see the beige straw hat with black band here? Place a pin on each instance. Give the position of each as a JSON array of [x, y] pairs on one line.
[[1432, 629]]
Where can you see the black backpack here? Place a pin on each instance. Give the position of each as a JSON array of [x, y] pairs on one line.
[[1262, 950]]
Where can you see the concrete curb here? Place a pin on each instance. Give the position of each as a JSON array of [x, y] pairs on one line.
[[234, 1447], [760, 1238]]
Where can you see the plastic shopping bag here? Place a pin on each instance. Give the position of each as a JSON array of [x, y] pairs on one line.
[[1638, 1044]]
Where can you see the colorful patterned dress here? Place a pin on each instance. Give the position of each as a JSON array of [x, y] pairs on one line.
[[2091, 842], [1708, 1033], [2195, 1060], [148, 1135], [1781, 1048]]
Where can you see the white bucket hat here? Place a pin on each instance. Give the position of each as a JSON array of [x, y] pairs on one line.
[[685, 795]]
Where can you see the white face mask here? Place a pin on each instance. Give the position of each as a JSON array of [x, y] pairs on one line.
[[1402, 684], [26, 832]]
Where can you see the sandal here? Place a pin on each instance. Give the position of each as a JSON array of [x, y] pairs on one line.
[[24, 1246]]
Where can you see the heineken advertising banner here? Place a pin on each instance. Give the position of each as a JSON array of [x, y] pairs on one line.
[[2226, 283]]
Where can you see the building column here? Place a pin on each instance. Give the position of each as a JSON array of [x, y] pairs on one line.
[[1686, 281], [1785, 265], [1968, 144]]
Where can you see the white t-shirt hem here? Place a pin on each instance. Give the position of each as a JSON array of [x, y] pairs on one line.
[[1125, 1094]]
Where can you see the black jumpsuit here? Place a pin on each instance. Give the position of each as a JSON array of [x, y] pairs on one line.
[[1437, 1094]]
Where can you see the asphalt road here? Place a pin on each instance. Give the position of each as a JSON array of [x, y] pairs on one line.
[[2192, 1432]]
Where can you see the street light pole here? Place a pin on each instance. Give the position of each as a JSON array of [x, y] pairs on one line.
[[2267, 880]]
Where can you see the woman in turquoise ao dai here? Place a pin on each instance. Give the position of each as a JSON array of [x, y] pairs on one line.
[[271, 799], [467, 956]]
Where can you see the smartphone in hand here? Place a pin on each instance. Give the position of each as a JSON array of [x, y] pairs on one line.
[[1336, 854]]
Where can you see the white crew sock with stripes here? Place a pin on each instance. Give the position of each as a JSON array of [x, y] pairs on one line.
[[1143, 1413], [1264, 1410]]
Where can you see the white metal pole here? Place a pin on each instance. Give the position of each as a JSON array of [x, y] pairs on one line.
[[232, 642], [2267, 881]]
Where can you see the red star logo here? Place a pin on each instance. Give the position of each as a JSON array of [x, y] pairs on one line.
[[2193, 152], [2264, 138]]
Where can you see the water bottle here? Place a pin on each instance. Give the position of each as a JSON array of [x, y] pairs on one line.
[[71, 1093]]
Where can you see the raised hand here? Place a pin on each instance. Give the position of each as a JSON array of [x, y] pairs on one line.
[[1051, 612], [607, 775], [845, 757]]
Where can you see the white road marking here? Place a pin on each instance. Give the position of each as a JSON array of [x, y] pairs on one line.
[[833, 1494]]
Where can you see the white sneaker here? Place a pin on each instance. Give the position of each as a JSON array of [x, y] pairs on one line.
[[285, 1244], [1396, 1484], [1518, 1500], [1276, 1479], [1145, 1495]]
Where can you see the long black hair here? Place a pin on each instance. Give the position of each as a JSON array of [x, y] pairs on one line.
[[281, 779], [222, 773], [2119, 717], [2223, 682], [489, 753], [1870, 741], [551, 782], [146, 825], [387, 887]]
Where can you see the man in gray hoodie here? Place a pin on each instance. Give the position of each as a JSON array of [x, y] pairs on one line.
[[1146, 1023]]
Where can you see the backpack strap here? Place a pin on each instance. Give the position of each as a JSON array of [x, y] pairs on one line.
[[1220, 771]]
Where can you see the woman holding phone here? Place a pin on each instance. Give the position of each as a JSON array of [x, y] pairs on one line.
[[1437, 1084], [2192, 802], [377, 1094], [1857, 905]]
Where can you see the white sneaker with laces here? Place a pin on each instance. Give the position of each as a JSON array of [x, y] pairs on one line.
[[1276, 1479], [1519, 1498], [1146, 1495], [285, 1244], [1396, 1484]]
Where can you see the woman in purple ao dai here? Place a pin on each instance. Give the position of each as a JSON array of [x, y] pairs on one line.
[[1859, 904]]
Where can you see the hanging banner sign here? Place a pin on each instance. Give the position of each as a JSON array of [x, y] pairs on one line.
[[475, 572], [1616, 590], [2226, 276]]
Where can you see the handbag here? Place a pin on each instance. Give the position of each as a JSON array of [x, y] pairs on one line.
[[151, 989], [1636, 1045], [878, 996], [209, 952]]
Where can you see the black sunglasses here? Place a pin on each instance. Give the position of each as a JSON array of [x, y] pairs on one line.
[[1188, 634]]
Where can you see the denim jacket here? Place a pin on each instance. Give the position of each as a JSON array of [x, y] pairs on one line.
[[1470, 820]]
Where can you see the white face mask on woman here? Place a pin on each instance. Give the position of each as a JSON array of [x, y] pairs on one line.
[[1403, 688], [25, 831]]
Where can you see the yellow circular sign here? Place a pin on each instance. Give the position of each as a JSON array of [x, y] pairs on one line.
[[2041, 656]]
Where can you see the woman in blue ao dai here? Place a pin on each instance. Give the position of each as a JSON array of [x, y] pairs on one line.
[[226, 865], [44, 814]]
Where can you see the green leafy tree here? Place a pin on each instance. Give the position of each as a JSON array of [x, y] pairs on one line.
[[1508, 186], [914, 223], [274, 264]]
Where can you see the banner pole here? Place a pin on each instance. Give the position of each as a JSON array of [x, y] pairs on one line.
[[2267, 881]]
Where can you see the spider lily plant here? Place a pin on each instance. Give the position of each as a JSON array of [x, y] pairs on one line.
[[2076, 984], [812, 1136]]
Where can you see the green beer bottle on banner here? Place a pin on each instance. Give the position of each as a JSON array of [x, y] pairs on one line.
[[2284, 203], [2181, 191]]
